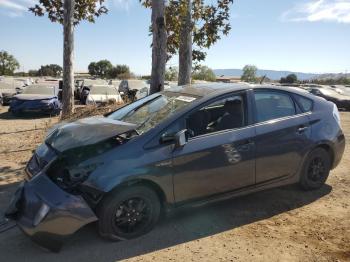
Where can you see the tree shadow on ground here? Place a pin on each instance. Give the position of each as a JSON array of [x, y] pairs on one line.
[[182, 226], [8, 171]]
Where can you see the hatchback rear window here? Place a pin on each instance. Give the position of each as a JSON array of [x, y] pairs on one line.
[[304, 103]]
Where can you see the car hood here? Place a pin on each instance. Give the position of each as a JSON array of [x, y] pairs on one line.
[[34, 97], [7, 91], [101, 97], [87, 131]]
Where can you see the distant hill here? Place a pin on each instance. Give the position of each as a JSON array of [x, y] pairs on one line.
[[272, 74]]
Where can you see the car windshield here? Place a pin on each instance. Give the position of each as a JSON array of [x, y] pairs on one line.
[[103, 90], [39, 90], [152, 112]]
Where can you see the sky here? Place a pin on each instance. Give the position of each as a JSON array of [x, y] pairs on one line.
[[298, 35]]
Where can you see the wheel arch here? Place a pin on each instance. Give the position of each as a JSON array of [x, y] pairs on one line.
[[143, 182], [324, 145], [328, 149]]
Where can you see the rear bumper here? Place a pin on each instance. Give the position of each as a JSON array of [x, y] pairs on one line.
[[339, 147], [47, 214]]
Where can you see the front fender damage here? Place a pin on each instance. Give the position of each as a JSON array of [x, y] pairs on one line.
[[47, 214]]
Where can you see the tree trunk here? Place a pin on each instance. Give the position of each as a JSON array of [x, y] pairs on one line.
[[68, 59], [185, 48], [159, 54]]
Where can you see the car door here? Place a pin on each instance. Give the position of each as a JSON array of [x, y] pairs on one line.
[[282, 135], [214, 160]]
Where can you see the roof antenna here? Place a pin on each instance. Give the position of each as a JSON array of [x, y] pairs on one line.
[[262, 79]]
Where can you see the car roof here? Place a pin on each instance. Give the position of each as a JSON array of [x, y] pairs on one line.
[[212, 89]]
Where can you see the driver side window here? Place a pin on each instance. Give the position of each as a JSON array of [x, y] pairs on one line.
[[224, 114]]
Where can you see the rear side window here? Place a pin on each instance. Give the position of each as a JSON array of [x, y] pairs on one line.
[[272, 105], [304, 103]]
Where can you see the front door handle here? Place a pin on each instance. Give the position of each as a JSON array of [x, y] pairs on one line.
[[302, 129]]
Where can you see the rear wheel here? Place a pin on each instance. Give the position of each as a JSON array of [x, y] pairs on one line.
[[128, 213], [316, 169]]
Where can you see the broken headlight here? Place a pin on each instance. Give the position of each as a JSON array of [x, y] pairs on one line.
[[69, 178]]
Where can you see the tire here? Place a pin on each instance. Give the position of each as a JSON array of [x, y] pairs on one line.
[[116, 208], [316, 169]]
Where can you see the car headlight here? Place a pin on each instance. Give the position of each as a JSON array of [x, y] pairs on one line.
[[69, 178]]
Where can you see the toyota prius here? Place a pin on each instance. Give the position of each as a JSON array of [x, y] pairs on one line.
[[184, 146]]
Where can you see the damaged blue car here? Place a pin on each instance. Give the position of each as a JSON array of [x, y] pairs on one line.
[[184, 146], [40, 99]]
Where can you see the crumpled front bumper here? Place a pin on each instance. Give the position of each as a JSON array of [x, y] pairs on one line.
[[48, 214], [34, 107]]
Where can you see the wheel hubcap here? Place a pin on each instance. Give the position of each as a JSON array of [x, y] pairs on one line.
[[131, 215], [316, 169]]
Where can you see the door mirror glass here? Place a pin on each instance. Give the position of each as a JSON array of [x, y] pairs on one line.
[[181, 138]]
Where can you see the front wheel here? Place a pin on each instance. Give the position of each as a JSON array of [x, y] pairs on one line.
[[128, 213], [315, 170]]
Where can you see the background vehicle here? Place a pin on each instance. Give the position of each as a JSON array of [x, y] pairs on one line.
[[338, 96], [185, 146], [36, 99], [96, 94], [81, 85], [133, 89], [8, 90]]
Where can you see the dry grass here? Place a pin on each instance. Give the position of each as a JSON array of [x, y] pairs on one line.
[[93, 110]]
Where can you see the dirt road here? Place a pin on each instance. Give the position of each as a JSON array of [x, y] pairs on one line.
[[284, 224]]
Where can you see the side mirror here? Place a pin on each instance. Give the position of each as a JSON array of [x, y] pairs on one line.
[[181, 138]]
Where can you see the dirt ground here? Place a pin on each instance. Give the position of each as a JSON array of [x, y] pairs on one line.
[[284, 224]]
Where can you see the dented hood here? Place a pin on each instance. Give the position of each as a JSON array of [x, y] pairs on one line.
[[87, 131]]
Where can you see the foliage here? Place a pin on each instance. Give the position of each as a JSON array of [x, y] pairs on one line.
[[210, 22], [20, 74], [8, 63], [84, 10], [120, 71], [101, 68], [50, 70], [33, 73], [249, 73], [204, 73], [290, 79], [127, 75], [332, 81], [171, 74], [105, 69]]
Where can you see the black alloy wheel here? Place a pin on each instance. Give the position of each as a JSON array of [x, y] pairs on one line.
[[128, 213], [316, 169], [131, 215]]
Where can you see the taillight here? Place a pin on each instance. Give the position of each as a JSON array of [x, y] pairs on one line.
[[336, 114]]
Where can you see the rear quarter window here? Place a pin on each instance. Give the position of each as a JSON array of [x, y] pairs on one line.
[[305, 104]]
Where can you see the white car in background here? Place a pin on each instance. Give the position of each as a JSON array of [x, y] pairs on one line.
[[134, 89], [102, 93]]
